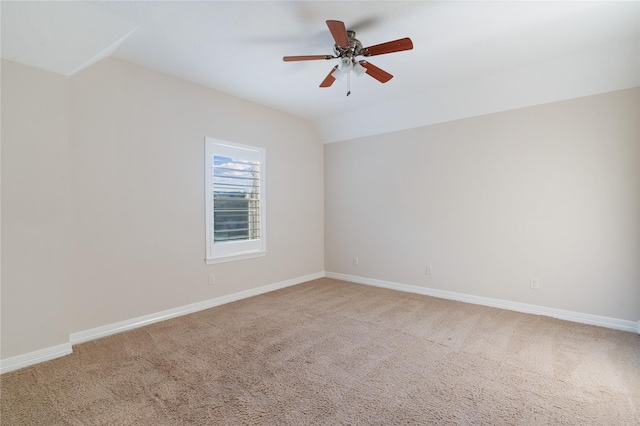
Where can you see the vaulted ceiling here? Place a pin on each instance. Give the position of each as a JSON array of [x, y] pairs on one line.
[[469, 58]]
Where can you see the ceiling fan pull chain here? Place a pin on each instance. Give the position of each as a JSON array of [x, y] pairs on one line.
[[349, 83]]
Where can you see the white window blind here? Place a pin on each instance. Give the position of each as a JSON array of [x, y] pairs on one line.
[[235, 197]]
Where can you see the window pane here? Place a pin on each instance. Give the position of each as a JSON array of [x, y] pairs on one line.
[[234, 201], [236, 185]]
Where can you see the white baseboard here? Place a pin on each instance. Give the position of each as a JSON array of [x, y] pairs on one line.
[[106, 330], [35, 357], [46, 354], [614, 323]]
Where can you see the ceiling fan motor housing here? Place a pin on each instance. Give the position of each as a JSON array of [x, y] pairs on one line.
[[354, 49]]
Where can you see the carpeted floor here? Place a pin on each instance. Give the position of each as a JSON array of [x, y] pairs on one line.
[[329, 352]]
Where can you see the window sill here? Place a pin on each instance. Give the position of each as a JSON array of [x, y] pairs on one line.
[[234, 257]]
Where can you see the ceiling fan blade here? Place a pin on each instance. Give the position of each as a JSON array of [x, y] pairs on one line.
[[375, 72], [339, 33], [388, 47], [306, 58], [328, 81]]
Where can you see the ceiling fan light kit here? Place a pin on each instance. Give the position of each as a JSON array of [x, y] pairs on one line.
[[347, 48]]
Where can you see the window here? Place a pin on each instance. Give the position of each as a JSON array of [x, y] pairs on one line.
[[235, 200]]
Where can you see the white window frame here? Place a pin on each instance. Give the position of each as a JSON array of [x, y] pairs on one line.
[[217, 252]]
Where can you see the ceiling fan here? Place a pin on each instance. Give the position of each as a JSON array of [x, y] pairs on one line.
[[347, 48]]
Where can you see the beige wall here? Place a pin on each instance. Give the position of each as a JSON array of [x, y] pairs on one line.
[[550, 192], [103, 198], [103, 205], [137, 193], [34, 209]]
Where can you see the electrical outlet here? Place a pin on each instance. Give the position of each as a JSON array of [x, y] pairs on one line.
[[356, 261], [429, 270], [212, 279], [535, 284]]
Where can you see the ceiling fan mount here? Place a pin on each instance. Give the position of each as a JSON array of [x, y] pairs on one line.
[[347, 48]]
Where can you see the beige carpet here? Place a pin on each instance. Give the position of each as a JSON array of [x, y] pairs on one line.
[[329, 352]]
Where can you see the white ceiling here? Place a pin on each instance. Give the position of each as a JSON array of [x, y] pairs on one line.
[[237, 47]]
